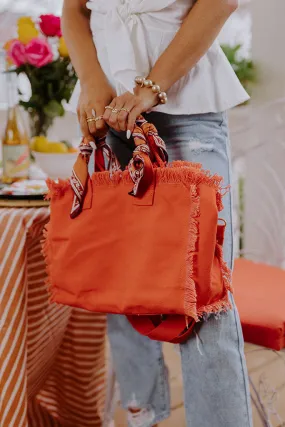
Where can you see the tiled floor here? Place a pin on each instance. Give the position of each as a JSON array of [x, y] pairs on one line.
[[267, 371]]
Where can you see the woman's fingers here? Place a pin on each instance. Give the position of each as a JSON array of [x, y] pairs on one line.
[[134, 114], [122, 120], [90, 114], [124, 114], [116, 114], [101, 127], [112, 115], [113, 119], [108, 110], [83, 123], [96, 126]]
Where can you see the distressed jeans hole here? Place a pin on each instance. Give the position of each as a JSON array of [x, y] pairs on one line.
[[140, 417], [198, 146]]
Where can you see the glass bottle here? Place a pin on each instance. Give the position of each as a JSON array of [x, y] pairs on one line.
[[15, 141]]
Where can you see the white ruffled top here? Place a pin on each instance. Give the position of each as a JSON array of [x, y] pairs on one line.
[[130, 35]]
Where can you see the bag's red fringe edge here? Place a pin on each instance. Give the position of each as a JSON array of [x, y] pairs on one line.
[[186, 173], [46, 254], [224, 303], [226, 271], [190, 295], [190, 299], [177, 172], [218, 307], [56, 189], [173, 174]]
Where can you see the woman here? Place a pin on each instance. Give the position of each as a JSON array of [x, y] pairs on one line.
[[172, 43]]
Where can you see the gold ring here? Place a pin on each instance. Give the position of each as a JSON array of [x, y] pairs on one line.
[[94, 119], [115, 111], [126, 110], [108, 107]]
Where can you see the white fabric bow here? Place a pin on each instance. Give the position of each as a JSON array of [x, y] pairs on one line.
[[126, 42]]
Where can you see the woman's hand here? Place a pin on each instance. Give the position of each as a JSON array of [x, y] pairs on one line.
[[125, 109], [92, 102]]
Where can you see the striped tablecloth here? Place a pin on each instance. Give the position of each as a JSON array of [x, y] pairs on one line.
[[52, 358]]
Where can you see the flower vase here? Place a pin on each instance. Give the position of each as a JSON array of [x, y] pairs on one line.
[[39, 123]]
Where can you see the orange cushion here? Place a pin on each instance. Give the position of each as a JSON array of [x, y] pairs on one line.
[[260, 298]]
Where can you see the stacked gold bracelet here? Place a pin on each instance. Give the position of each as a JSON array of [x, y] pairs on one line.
[[143, 82]]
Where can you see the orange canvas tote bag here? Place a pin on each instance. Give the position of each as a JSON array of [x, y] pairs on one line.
[[144, 242]]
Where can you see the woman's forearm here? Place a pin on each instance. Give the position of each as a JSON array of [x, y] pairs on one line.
[[197, 33], [78, 37]]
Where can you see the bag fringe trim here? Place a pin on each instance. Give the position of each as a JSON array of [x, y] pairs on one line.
[[223, 304], [169, 175], [225, 270], [57, 189], [220, 306], [177, 172], [190, 295], [188, 175]]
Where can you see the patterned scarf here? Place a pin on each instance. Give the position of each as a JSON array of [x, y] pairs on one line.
[[150, 152]]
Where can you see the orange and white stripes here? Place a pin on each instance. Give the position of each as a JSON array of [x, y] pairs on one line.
[[52, 358]]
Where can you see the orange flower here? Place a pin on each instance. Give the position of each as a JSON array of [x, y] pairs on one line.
[[7, 47], [62, 48]]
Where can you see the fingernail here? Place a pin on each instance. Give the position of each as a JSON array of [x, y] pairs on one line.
[[129, 134], [93, 145]]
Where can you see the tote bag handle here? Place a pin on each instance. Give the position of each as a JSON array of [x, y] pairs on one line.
[[150, 152], [146, 140]]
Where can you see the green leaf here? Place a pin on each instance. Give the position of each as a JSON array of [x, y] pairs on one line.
[[50, 90], [54, 109], [66, 94], [244, 68], [25, 105], [50, 85]]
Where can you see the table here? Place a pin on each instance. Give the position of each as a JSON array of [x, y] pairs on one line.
[[52, 358]]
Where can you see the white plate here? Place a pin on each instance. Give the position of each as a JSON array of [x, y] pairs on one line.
[[56, 165]]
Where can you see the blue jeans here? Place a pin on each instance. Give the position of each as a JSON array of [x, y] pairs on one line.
[[216, 390]]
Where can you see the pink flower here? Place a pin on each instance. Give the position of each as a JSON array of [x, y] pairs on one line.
[[39, 53], [50, 25], [17, 53]]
